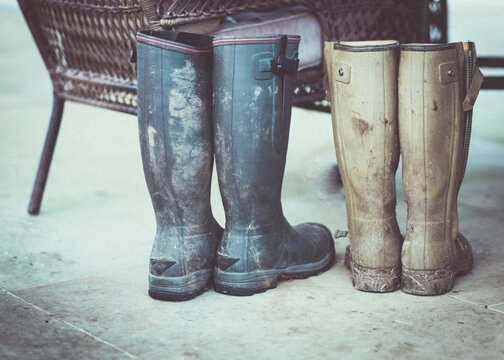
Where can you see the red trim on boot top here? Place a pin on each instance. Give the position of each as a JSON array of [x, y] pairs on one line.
[[173, 45]]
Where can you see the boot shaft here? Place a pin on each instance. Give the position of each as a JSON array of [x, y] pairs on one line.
[[363, 88], [253, 88], [175, 125], [432, 81]]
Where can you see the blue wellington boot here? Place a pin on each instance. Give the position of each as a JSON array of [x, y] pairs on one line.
[[253, 89], [176, 138]]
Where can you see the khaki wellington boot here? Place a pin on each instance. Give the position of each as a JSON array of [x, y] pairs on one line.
[[438, 85], [362, 82]]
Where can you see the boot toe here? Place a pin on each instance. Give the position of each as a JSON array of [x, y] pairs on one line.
[[307, 250], [316, 242]]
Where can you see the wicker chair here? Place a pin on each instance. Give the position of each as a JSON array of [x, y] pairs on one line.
[[85, 44]]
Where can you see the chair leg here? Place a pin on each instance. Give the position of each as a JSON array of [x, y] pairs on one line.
[[47, 154]]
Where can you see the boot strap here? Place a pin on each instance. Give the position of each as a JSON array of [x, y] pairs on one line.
[[264, 65], [472, 93]]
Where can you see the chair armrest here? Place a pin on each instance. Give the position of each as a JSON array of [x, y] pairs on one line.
[[85, 46]]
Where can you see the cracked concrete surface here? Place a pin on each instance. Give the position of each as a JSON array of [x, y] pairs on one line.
[[73, 281]]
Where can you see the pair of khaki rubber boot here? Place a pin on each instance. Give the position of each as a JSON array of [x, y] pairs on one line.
[[414, 99]]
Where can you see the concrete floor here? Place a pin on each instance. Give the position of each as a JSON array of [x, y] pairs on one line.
[[73, 281]]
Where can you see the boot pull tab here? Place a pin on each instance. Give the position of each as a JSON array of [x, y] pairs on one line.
[[340, 234], [472, 93]]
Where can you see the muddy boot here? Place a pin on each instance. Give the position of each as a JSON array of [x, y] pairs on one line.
[[438, 85], [253, 89], [176, 138], [362, 82]]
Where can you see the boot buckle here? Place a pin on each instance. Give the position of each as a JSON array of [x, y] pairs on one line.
[[264, 65], [284, 65]]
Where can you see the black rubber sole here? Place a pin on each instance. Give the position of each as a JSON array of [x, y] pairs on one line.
[[179, 288], [247, 284], [172, 296]]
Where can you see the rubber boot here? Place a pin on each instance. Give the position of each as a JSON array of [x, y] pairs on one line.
[[362, 80], [438, 85], [176, 138], [253, 89]]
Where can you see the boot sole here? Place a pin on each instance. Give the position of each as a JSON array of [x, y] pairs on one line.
[[377, 280], [250, 283], [435, 282], [179, 288]]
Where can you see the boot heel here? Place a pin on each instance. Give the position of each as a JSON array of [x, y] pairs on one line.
[[440, 281], [377, 280], [427, 282], [434, 282], [179, 288]]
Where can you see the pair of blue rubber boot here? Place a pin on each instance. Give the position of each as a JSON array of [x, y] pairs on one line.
[[230, 97]]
